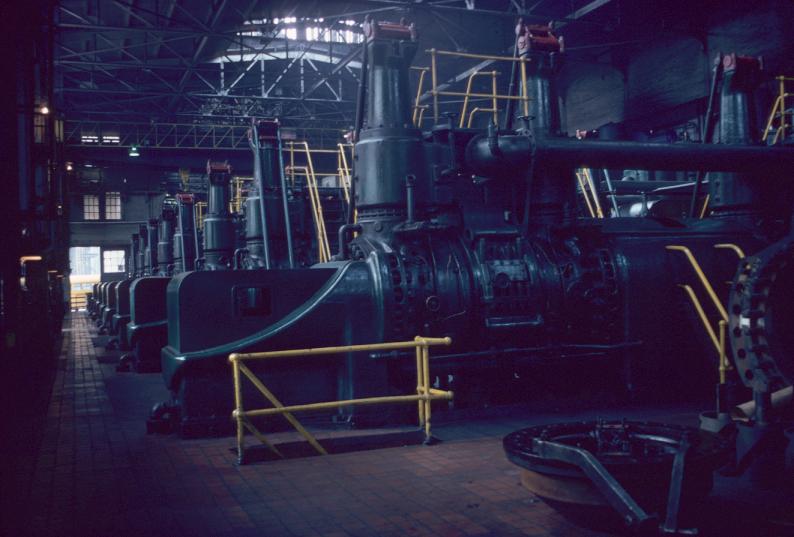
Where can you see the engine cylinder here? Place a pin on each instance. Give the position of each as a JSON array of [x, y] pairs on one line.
[[218, 224]]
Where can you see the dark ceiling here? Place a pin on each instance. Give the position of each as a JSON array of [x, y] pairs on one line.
[[190, 73]]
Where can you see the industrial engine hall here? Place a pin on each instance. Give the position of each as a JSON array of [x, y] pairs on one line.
[[364, 268]]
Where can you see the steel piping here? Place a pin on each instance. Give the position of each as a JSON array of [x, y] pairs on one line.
[[491, 155]]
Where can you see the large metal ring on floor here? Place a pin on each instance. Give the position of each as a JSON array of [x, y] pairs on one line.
[[638, 455], [761, 318]]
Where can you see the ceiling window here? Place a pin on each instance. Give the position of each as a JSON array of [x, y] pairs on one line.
[[112, 206], [308, 28], [113, 261], [90, 207]]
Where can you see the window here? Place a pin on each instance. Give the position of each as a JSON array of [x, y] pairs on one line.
[[90, 207], [113, 261], [112, 206]]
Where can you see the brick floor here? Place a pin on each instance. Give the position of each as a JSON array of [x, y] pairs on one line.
[[98, 473]]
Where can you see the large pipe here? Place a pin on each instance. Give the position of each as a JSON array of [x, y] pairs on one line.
[[512, 154]]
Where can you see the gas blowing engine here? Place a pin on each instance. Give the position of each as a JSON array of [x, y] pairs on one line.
[[474, 235]]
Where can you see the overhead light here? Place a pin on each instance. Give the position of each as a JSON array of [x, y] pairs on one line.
[[134, 151], [69, 167], [44, 109], [26, 258]]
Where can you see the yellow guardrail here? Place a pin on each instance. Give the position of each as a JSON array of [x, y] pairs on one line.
[[425, 394], [323, 247], [418, 109], [201, 210], [345, 174], [717, 338], [494, 103], [779, 110], [585, 179], [239, 193], [78, 300], [494, 97]]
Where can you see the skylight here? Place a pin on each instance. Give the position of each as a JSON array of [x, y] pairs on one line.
[[304, 29]]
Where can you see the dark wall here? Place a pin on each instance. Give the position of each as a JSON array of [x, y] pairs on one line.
[[141, 198], [665, 80]]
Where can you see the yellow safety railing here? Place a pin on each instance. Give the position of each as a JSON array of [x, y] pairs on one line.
[[239, 193], [78, 300], [344, 169], [585, 178], [705, 207], [435, 92], [201, 210], [323, 247], [717, 338], [347, 174], [425, 393], [779, 111], [494, 103], [418, 109]]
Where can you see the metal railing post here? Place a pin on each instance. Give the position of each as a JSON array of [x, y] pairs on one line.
[[239, 413], [423, 397], [434, 81], [585, 195], [419, 381], [419, 86], [494, 102], [594, 193], [702, 277], [524, 89], [723, 366], [426, 368]]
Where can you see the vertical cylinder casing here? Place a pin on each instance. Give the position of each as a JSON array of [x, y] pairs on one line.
[[165, 236], [134, 253], [731, 192], [254, 239], [218, 224], [152, 264], [184, 241], [143, 255], [551, 191], [389, 148]]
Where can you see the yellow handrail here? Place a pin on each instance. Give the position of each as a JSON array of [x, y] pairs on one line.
[[417, 121], [494, 93], [722, 323], [425, 394], [236, 203], [702, 314], [705, 207], [730, 246], [435, 92], [323, 249], [718, 341], [593, 192], [779, 109], [702, 277], [201, 206], [585, 195], [344, 170]]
